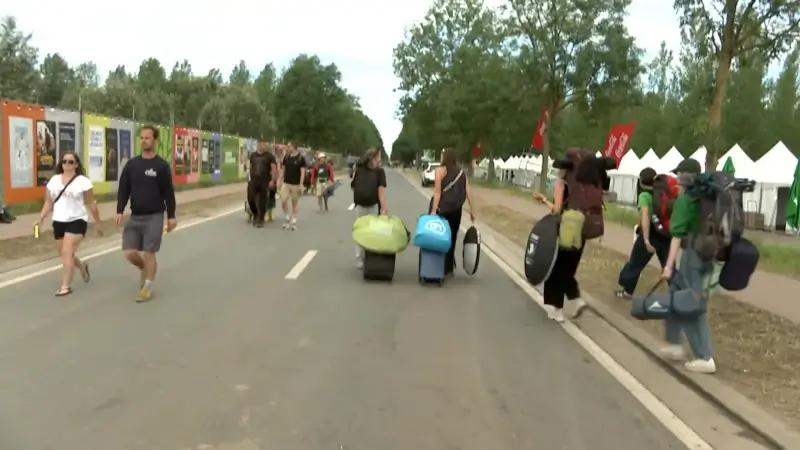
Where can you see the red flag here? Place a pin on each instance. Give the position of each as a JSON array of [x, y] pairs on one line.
[[541, 128], [617, 141]]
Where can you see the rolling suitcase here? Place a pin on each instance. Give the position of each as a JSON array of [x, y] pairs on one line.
[[431, 267], [378, 267]]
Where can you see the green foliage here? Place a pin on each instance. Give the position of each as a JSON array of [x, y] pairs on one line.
[[472, 74], [306, 103]]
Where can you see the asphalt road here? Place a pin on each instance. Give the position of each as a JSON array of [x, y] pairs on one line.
[[232, 356]]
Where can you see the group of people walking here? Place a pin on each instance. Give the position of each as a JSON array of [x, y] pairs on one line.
[[669, 218]]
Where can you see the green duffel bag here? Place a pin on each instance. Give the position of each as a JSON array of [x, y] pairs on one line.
[[381, 234]]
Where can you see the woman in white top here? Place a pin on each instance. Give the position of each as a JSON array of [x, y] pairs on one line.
[[67, 195]]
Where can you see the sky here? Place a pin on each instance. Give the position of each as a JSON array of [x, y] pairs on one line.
[[357, 35]]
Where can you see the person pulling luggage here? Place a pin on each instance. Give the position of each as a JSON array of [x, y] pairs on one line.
[[369, 191]]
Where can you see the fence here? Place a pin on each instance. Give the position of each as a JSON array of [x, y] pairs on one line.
[[765, 207], [32, 138]]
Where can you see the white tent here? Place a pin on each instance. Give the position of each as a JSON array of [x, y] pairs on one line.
[[776, 166], [745, 167], [629, 164], [650, 159], [669, 161], [700, 155]]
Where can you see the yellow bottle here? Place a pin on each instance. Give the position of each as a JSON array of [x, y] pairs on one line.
[[36, 230]]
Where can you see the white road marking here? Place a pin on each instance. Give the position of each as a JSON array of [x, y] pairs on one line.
[[657, 408], [301, 265], [110, 249]]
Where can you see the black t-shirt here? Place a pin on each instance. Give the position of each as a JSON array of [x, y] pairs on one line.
[[292, 167], [261, 165]]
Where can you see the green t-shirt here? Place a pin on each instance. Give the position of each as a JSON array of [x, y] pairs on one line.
[[645, 199], [685, 218]]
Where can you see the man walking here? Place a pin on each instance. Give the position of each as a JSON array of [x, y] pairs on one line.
[[293, 172], [263, 174], [146, 181], [321, 179]]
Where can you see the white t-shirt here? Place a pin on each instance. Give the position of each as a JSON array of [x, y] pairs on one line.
[[70, 206]]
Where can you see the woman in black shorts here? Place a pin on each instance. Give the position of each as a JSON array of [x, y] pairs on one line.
[[69, 195]]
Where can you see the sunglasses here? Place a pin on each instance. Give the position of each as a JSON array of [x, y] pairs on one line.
[[68, 162]]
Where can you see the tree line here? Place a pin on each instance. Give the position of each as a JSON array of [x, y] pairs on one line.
[[478, 75], [304, 102]]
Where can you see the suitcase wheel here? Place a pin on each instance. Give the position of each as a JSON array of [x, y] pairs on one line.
[[441, 282]]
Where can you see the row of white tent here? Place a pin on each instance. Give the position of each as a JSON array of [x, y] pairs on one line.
[[773, 171], [777, 166]]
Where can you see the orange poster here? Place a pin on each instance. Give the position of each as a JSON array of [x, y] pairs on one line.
[[19, 151]]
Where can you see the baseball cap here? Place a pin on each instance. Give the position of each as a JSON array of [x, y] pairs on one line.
[[688, 165], [647, 175]]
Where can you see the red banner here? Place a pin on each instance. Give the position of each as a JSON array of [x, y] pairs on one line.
[[477, 150], [617, 141], [541, 129]]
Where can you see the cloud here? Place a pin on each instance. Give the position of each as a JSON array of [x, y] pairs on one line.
[[358, 35]]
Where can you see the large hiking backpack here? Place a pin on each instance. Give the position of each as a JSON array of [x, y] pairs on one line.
[[665, 191], [585, 198], [720, 213]]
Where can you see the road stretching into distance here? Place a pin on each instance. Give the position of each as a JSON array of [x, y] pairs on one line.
[[232, 355]]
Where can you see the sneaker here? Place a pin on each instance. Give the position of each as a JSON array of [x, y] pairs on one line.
[[580, 306], [701, 366], [269, 216], [622, 294], [260, 224], [293, 224], [286, 224], [558, 315], [145, 294], [673, 352]]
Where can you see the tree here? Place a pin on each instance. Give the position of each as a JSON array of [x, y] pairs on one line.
[[732, 28], [18, 72], [579, 53], [308, 101]]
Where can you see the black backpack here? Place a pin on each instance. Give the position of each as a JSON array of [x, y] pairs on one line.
[[365, 187], [721, 215]]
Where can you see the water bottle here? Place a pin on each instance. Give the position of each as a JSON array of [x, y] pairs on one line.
[[36, 230]]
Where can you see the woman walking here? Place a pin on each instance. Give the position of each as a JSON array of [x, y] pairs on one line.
[[450, 190], [562, 282], [67, 196]]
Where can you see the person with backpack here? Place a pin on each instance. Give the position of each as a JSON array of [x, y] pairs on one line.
[[657, 194], [450, 190], [578, 191], [321, 179], [369, 190], [696, 270]]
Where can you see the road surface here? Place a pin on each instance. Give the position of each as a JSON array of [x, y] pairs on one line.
[[230, 355]]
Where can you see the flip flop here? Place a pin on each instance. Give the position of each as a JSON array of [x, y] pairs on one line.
[[64, 292], [85, 273]]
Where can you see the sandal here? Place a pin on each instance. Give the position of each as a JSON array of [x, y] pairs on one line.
[[85, 273], [63, 292]]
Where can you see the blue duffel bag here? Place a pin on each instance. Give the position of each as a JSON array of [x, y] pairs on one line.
[[433, 233], [683, 303]]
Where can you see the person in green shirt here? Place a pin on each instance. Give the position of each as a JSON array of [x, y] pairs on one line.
[[648, 240], [693, 273]]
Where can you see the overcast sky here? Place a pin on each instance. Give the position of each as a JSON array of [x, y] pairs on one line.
[[358, 35]]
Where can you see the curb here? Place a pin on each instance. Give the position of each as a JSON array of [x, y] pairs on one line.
[[774, 431]]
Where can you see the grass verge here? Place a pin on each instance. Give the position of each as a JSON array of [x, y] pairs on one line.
[[775, 258], [20, 209], [27, 246]]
